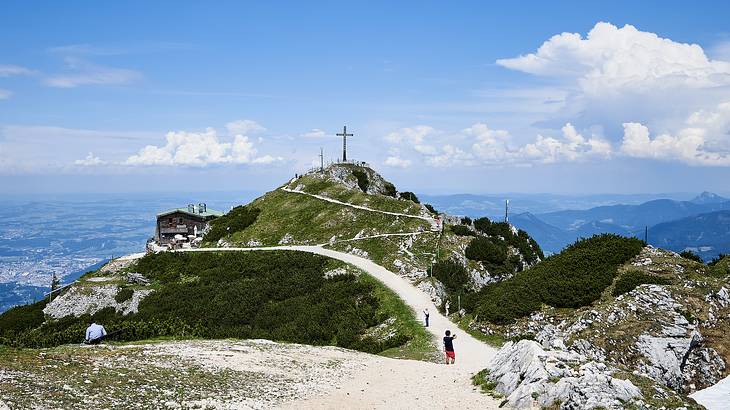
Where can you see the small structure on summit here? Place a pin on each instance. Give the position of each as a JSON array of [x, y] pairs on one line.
[[180, 225]]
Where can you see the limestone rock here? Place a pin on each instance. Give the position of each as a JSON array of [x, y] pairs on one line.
[[530, 376]]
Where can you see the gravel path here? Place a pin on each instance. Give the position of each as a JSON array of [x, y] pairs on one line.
[[390, 383]]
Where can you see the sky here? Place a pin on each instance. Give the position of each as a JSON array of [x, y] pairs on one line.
[[442, 97]]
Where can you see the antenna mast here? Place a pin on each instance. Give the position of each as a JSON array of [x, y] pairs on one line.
[[506, 210], [321, 159]]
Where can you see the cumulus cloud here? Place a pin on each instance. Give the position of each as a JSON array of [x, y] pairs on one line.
[[90, 161], [414, 137], [8, 70], [80, 72], [480, 144], [611, 58], [200, 149], [244, 127], [703, 141], [397, 162], [314, 133]]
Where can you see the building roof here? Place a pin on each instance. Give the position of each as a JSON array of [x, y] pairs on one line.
[[185, 210]]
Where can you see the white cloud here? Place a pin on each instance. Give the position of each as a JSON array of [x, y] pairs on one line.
[[244, 127], [397, 162], [314, 133], [480, 144], [200, 149], [703, 141], [611, 58], [4, 94], [85, 73], [414, 137], [90, 161], [450, 155], [8, 70]]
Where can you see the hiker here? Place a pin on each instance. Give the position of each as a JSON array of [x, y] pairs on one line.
[[449, 347], [447, 306], [425, 315], [95, 334]]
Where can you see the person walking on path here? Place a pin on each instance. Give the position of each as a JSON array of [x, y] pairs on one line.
[[449, 347], [446, 307], [426, 315]]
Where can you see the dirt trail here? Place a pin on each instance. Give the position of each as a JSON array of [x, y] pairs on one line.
[[402, 383]]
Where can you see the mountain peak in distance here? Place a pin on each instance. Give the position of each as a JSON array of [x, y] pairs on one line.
[[709, 198]]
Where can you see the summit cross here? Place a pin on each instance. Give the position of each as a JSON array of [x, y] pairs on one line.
[[344, 136]]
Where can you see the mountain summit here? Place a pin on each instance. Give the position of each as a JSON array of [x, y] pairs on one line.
[[709, 198]]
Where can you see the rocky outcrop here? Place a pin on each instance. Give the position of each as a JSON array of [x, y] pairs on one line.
[[528, 375], [434, 289], [343, 174], [80, 300]]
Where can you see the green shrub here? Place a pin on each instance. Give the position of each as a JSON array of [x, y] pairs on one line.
[[487, 250], [691, 256], [20, 318], [452, 274], [410, 196], [280, 296], [466, 220], [431, 209], [527, 246], [124, 294], [390, 189], [462, 230], [238, 219], [362, 179], [573, 278], [717, 259], [631, 279]]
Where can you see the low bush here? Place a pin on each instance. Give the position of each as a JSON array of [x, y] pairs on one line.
[[410, 196], [573, 278], [691, 256], [529, 249], [631, 279], [124, 294], [431, 209], [238, 219], [452, 274], [280, 296], [717, 259], [466, 220], [486, 250], [462, 230], [362, 179], [390, 190]]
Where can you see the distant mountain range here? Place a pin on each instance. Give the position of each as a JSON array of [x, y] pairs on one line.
[[701, 224]]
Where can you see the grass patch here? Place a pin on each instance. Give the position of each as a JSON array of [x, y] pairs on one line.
[[485, 385], [420, 345], [495, 340]]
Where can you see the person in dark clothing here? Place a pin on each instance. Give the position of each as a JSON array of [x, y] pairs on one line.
[[426, 314], [449, 347]]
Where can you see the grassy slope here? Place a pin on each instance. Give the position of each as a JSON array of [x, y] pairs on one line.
[[315, 185], [312, 221]]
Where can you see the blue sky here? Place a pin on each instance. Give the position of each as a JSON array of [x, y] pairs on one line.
[[460, 97]]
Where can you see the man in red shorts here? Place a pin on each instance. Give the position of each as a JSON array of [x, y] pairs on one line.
[[449, 347]]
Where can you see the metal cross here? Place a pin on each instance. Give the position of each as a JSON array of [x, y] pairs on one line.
[[344, 136]]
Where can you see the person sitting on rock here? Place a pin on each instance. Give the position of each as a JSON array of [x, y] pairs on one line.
[[95, 334]]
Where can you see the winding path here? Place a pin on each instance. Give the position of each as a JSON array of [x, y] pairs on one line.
[[472, 354], [434, 224]]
